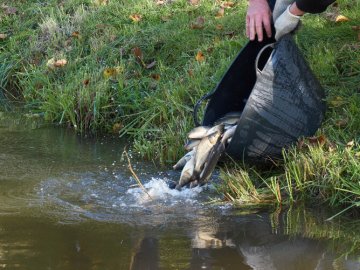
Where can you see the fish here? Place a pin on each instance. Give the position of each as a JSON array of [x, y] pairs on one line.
[[204, 148], [231, 118], [190, 144], [186, 173], [182, 161], [214, 156], [228, 134], [198, 132]]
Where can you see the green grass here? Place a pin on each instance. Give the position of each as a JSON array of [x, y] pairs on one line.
[[154, 105]]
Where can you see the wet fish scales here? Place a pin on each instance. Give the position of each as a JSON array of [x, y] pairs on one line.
[[213, 158], [198, 132], [182, 161], [190, 144], [204, 148], [187, 172]]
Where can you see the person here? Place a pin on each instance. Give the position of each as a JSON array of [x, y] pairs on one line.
[[285, 14]]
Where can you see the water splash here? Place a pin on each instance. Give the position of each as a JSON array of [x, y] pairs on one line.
[[160, 192]]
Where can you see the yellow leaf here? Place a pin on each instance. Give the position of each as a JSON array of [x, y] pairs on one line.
[[110, 72], [135, 17], [341, 18], [200, 57], [336, 102], [117, 127], [51, 63]]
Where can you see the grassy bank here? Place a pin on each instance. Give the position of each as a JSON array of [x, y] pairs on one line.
[[136, 67]]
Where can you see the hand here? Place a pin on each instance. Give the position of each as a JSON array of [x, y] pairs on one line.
[[258, 16], [286, 23]]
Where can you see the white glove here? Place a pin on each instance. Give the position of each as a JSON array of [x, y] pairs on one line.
[[280, 7], [286, 23]]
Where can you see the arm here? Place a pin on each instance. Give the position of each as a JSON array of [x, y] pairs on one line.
[[258, 17], [311, 6], [286, 21]]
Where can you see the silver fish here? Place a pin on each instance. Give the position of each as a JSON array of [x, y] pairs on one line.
[[186, 173], [198, 132], [182, 161], [190, 144], [211, 162], [228, 134], [230, 118], [204, 148]]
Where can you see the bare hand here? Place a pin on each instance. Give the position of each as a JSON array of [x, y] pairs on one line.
[[258, 17]]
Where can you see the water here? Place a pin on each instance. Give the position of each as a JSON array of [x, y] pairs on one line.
[[68, 202]]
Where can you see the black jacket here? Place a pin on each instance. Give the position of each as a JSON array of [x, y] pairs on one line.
[[313, 6]]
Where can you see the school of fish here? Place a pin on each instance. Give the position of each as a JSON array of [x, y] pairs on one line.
[[205, 145]]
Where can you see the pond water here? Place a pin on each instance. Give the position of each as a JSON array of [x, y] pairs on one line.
[[68, 202]]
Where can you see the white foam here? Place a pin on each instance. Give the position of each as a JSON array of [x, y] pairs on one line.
[[159, 191]]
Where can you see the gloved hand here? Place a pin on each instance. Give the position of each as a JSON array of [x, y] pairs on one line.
[[286, 23]]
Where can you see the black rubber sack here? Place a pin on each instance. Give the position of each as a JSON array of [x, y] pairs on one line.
[[279, 96]]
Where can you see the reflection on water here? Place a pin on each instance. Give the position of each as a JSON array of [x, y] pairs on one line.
[[68, 202]]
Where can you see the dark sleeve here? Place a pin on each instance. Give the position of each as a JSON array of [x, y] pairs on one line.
[[313, 6]]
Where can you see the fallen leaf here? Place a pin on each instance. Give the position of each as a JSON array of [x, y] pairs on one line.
[[151, 65], [219, 27], [117, 127], [135, 17], [355, 28], [357, 154], [350, 144], [198, 24], [341, 18], [60, 63], [319, 140], [138, 53], [160, 2], [194, 2], [336, 102], [3, 36], [110, 72], [200, 57], [76, 34], [52, 63], [227, 4], [300, 144], [86, 82], [220, 13], [101, 2], [155, 77], [341, 123], [191, 73]]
